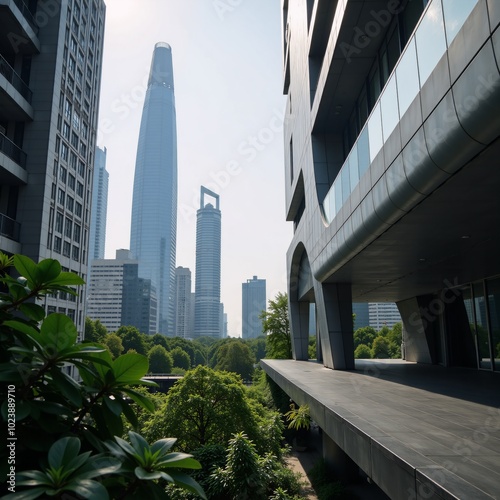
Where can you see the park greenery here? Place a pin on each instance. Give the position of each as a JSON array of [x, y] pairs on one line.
[[89, 422]]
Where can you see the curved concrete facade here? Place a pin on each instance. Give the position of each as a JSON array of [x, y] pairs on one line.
[[393, 199]]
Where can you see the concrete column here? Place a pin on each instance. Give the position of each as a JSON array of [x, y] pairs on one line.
[[334, 316], [299, 329], [339, 461]]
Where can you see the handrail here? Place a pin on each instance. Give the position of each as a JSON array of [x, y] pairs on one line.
[[12, 151], [25, 11], [14, 79]]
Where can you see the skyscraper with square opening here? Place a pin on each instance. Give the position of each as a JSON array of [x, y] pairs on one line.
[[207, 309], [154, 208]]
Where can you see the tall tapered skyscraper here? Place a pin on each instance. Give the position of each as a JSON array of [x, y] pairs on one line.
[[154, 206], [207, 306]]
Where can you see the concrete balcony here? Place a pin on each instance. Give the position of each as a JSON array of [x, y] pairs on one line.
[[18, 27]]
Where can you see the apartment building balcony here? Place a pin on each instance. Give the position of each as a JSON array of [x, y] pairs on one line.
[[15, 95], [12, 163], [18, 27]]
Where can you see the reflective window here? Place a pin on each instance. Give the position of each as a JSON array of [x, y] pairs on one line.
[[389, 106], [353, 168], [482, 337], [346, 184], [431, 43], [407, 78], [337, 187], [363, 152], [456, 13], [493, 292], [375, 132]]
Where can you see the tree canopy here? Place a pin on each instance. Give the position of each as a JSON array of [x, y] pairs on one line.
[[277, 327], [236, 357]]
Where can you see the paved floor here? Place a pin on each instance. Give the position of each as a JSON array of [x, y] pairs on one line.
[[418, 431]]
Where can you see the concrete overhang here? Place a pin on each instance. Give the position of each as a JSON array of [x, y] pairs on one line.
[[13, 106], [17, 34]]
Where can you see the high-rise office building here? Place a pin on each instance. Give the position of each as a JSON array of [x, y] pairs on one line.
[[183, 322], [391, 141], [207, 309], [50, 74], [382, 314], [253, 303], [154, 207], [99, 206], [117, 296]]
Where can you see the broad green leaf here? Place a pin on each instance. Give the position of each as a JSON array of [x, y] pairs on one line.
[[114, 405], [32, 311], [30, 494], [34, 475], [114, 423], [67, 385], [87, 488], [145, 475], [127, 447], [67, 279], [129, 367], [49, 269], [163, 445], [130, 414], [22, 327], [181, 460], [99, 465], [58, 332], [188, 483], [52, 408], [139, 398], [138, 442], [101, 368], [28, 269], [63, 450]]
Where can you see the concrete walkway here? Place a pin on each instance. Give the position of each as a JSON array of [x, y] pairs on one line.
[[418, 431]]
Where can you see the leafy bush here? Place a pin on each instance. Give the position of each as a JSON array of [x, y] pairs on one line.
[[362, 352], [56, 416]]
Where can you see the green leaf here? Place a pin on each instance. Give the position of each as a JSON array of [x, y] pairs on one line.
[[138, 442], [127, 447], [130, 414], [188, 483], [99, 465], [30, 494], [130, 367], [67, 279], [32, 311], [145, 475], [27, 268], [140, 399], [163, 445], [114, 405], [62, 451], [87, 488], [181, 460], [49, 269], [67, 385], [58, 332], [22, 327]]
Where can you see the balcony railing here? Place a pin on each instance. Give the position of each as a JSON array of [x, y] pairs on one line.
[[9, 227], [14, 79], [25, 11], [14, 152]]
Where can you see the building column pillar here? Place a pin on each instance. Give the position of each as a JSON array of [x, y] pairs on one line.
[[339, 461], [334, 315], [299, 329]]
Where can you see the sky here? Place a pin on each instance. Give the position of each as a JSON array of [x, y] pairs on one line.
[[227, 59]]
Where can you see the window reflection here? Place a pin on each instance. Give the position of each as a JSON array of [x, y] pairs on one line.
[[375, 131], [430, 39], [455, 14], [407, 78], [389, 105], [493, 291]]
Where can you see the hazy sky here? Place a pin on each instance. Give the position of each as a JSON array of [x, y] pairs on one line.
[[227, 60]]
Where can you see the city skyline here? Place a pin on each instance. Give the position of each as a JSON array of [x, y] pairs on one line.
[[230, 113]]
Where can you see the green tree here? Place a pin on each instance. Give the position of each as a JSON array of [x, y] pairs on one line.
[[114, 345], [132, 338], [277, 327], [180, 358], [362, 352], [258, 347], [160, 360], [207, 407], [365, 335], [159, 339], [380, 348], [95, 331], [236, 357], [56, 416]]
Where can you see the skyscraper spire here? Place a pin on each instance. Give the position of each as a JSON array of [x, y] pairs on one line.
[[154, 207]]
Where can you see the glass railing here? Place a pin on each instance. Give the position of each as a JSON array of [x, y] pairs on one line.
[[14, 152], [14, 79], [9, 227], [438, 27], [25, 11]]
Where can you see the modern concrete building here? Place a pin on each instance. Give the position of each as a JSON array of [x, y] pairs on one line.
[[207, 307], [99, 206], [117, 296], [253, 304], [154, 207], [382, 314], [50, 74], [391, 152], [183, 303]]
